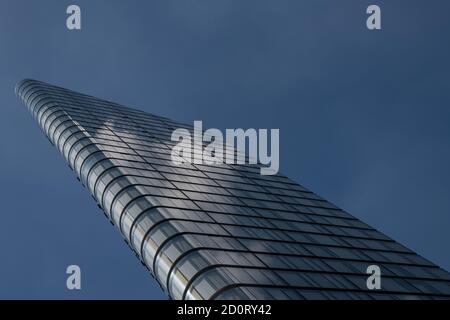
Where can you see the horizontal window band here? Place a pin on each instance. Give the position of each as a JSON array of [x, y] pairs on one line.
[[219, 292], [364, 275]]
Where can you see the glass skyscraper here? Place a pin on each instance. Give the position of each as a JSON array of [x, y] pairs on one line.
[[220, 231]]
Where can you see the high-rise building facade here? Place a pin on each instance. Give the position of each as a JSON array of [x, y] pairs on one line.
[[220, 231]]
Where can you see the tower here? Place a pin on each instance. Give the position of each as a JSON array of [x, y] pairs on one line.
[[220, 231]]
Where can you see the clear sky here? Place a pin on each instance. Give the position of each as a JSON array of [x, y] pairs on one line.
[[363, 115]]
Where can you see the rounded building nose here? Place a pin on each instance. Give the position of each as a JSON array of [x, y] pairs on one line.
[[20, 84]]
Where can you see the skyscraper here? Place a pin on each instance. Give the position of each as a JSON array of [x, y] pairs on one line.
[[220, 231]]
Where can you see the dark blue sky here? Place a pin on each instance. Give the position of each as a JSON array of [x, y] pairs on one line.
[[363, 115]]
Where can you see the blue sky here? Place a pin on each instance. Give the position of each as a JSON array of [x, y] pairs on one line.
[[363, 116]]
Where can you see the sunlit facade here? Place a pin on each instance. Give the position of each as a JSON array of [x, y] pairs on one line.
[[219, 232]]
